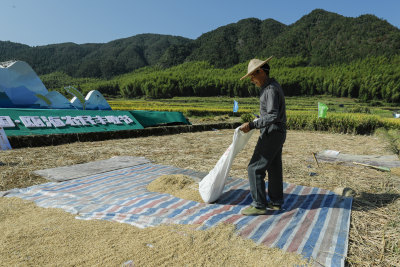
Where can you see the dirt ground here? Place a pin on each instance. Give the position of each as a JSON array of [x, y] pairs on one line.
[[375, 219]]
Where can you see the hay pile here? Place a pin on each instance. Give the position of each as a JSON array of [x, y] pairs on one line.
[[34, 236], [178, 185]]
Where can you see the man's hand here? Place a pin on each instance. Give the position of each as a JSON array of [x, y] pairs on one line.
[[245, 127]]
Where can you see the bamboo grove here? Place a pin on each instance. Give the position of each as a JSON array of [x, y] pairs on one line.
[[373, 78]]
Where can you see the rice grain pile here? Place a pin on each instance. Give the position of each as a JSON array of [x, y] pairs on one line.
[[34, 236], [178, 185]]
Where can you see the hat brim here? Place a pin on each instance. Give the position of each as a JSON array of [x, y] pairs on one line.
[[256, 67]]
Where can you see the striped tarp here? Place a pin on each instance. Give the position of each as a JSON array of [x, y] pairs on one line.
[[314, 222]]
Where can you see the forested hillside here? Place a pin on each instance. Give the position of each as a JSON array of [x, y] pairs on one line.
[[372, 78], [320, 38], [93, 60]]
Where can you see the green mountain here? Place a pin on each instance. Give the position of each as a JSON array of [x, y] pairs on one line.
[[327, 38], [93, 60], [320, 38], [235, 43]]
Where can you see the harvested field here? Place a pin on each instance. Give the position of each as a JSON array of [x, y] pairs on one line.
[[375, 220]]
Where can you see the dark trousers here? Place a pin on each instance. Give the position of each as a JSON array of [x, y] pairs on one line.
[[267, 157]]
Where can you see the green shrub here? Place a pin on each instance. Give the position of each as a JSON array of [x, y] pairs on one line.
[[247, 117]]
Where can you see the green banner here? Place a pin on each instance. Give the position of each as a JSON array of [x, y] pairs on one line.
[[322, 110], [61, 121], [149, 118]]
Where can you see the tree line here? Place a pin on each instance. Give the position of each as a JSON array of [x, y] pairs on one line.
[[372, 78]]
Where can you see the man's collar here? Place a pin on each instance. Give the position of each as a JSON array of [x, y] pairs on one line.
[[268, 81]]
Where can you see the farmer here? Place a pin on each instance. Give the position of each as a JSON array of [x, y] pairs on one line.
[[267, 155]]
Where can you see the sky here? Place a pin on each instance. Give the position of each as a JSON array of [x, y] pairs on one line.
[[42, 22]]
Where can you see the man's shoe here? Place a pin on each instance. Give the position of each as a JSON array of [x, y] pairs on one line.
[[252, 211], [274, 206]]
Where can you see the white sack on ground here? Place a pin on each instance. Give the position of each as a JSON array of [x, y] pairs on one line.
[[212, 185]]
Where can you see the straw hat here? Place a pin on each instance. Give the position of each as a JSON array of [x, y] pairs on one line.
[[254, 65]]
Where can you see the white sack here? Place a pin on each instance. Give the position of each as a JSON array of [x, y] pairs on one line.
[[212, 185]]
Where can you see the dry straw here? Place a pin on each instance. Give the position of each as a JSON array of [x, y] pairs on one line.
[[375, 220]]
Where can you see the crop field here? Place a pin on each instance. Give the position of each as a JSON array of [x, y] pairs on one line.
[[345, 115], [203, 106]]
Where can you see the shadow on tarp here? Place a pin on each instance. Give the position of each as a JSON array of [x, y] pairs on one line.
[[292, 200]]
